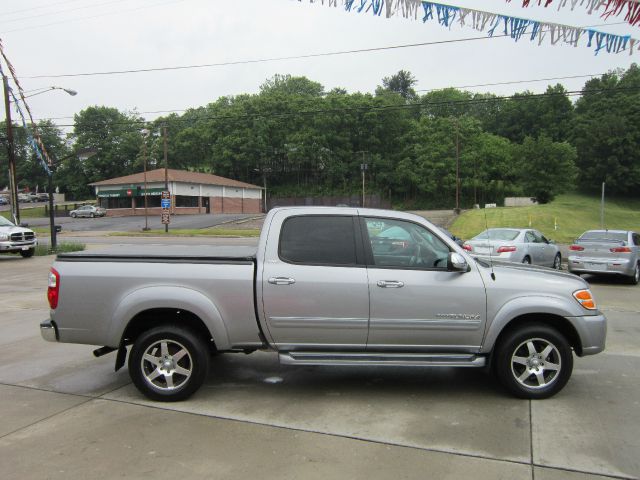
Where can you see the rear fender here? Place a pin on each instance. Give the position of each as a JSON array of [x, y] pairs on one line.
[[172, 297]]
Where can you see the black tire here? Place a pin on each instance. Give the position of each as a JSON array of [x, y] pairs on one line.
[[557, 262], [190, 370], [522, 350], [74, 215], [526, 260], [635, 278], [28, 253], [92, 215]]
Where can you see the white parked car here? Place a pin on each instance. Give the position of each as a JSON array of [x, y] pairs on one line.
[[88, 211], [521, 245]]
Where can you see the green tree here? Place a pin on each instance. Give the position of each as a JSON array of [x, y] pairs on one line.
[[401, 83], [546, 168], [116, 137], [607, 133]]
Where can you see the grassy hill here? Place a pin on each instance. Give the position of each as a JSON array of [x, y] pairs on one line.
[[561, 220]]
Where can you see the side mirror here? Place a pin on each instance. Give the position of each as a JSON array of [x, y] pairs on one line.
[[23, 225], [457, 263]]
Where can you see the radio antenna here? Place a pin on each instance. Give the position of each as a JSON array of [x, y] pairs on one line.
[[486, 226]]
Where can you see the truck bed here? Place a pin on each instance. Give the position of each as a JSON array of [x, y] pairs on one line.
[[101, 290]]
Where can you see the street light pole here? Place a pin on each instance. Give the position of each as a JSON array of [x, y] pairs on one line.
[[15, 209]]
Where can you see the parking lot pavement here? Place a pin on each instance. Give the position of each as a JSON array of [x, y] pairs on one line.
[[68, 415]]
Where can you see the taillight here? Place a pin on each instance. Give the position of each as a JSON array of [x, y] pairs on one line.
[[506, 248], [576, 248], [53, 291], [467, 247], [585, 299], [620, 250]]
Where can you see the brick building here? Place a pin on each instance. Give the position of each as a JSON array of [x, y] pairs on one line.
[[191, 193]]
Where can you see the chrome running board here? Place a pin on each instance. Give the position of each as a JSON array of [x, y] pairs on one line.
[[382, 359]]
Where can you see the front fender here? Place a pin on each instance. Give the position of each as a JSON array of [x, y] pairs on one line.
[[528, 305], [168, 296]]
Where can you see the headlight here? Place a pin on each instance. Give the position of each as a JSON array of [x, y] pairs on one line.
[[4, 236], [585, 299]]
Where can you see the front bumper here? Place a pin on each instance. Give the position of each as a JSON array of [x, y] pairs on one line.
[[592, 330], [49, 331], [11, 246]]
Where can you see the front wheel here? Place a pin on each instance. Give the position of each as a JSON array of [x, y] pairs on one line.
[[534, 361], [557, 262], [168, 363], [74, 215], [27, 253]]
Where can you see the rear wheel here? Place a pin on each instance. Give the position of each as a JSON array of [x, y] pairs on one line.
[[526, 260], [168, 363], [635, 278], [534, 361]]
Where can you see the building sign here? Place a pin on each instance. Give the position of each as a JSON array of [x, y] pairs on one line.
[[165, 203], [129, 192]]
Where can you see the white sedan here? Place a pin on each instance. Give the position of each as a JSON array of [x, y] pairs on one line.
[[522, 245]]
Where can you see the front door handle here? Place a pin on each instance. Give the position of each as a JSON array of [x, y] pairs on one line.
[[390, 284], [281, 281]]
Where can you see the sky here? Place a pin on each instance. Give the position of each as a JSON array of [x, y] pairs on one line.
[[62, 37]]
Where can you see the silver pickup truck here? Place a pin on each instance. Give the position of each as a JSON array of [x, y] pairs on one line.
[[326, 286]]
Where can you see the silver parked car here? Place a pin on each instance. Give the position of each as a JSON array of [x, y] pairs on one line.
[[88, 211], [522, 245], [611, 252]]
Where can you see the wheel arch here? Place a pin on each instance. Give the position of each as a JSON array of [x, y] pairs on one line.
[[557, 322], [552, 311], [152, 306]]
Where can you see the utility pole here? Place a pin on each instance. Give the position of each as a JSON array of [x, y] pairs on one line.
[[363, 168], [13, 185], [144, 159], [166, 171], [457, 166], [602, 208]]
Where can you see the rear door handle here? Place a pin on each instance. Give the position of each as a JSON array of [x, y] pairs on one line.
[[281, 281], [390, 284]]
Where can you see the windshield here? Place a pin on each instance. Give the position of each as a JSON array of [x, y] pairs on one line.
[[603, 237], [5, 223], [497, 234]]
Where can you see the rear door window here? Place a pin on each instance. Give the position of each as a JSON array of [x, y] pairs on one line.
[[319, 240]]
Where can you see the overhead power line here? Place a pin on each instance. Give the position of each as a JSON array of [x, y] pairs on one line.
[[89, 17], [363, 109], [513, 82], [39, 7], [269, 59], [58, 12], [182, 110]]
